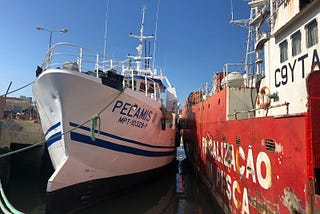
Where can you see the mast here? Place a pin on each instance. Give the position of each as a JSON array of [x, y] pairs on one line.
[[141, 38], [258, 16], [253, 61]]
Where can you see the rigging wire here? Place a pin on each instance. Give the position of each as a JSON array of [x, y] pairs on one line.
[[106, 30], [231, 10], [10, 92], [155, 36]]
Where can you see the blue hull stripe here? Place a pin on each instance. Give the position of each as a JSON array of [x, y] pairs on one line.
[[116, 147], [54, 138], [122, 139], [52, 127]]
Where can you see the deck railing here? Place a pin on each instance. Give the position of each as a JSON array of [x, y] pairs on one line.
[[250, 111], [77, 58], [69, 56]]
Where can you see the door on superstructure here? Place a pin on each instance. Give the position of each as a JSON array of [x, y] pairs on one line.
[[313, 86]]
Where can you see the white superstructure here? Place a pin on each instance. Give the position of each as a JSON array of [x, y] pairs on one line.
[[290, 53]]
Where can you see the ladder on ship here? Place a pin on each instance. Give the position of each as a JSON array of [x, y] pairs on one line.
[[253, 63]]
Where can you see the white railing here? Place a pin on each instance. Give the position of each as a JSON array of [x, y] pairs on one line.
[[77, 58], [69, 56]]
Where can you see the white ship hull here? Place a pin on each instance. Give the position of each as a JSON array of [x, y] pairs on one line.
[[131, 140]]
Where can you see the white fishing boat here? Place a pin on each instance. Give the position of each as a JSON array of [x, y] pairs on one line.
[[104, 120]]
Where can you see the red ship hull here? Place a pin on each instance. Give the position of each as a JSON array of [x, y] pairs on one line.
[[259, 165]]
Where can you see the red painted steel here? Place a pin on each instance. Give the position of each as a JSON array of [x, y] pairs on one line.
[[258, 165]]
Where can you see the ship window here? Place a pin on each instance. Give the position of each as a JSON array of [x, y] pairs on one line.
[[151, 88], [296, 43], [312, 33], [283, 51], [142, 87]]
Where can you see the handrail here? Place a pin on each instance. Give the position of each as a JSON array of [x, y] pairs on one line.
[[235, 114], [74, 57], [57, 56], [61, 53]]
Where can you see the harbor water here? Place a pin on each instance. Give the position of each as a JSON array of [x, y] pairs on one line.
[[178, 190]]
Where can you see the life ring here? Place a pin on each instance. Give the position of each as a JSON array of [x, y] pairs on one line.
[[263, 98]]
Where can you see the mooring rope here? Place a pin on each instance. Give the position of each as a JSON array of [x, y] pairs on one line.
[[93, 118], [10, 92], [7, 203], [95, 121], [3, 208]]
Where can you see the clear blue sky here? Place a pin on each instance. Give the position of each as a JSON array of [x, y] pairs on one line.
[[194, 39]]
